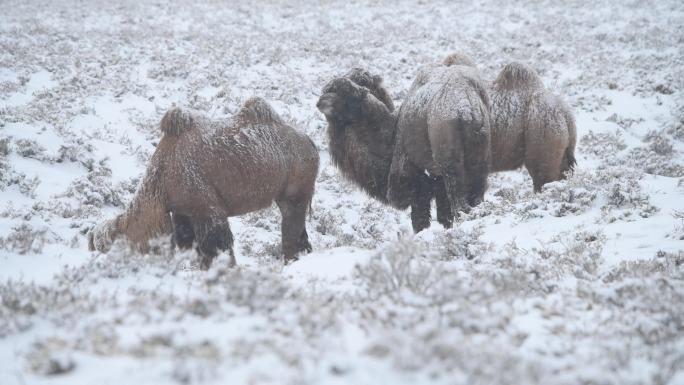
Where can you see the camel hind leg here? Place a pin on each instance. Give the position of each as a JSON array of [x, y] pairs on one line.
[[420, 204], [477, 153], [294, 237], [444, 214], [446, 141], [544, 166]]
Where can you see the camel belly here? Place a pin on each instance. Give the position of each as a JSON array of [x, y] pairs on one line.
[[229, 189], [247, 190]]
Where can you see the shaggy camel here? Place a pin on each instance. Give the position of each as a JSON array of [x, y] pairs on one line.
[[362, 138], [442, 146], [361, 129], [203, 172], [530, 126]]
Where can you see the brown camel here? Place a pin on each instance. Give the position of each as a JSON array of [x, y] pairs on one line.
[[203, 172], [442, 145], [530, 126]]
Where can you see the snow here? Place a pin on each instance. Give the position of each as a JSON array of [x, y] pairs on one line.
[[582, 283]]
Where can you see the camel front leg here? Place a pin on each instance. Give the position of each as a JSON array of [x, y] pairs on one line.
[[213, 235], [183, 234]]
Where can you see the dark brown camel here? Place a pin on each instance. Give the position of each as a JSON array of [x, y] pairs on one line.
[[362, 139], [442, 145]]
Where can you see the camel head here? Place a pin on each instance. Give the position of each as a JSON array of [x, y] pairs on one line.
[[102, 236], [342, 100]]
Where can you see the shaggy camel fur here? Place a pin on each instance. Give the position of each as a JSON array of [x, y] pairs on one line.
[[203, 172], [360, 130], [458, 58], [530, 126], [442, 145], [373, 83]]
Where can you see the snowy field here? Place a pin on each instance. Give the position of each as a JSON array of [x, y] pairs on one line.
[[581, 284]]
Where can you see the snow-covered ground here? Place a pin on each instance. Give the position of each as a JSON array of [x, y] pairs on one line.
[[581, 284]]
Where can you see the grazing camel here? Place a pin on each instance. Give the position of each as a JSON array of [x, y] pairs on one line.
[[205, 171]]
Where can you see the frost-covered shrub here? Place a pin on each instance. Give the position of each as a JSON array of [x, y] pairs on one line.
[[581, 253], [29, 148], [677, 130], [507, 194], [663, 264], [267, 219], [602, 144], [678, 231], [96, 189], [27, 186], [644, 301], [659, 143], [570, 197], [74, 151], [195, 364], [24, 239], [646, 159], [398, 272], [48, 359], [326, 222], [457, 243], [9, 176], [59, 208], [258, 291], [624, 198], [4, 147], [372, 228]]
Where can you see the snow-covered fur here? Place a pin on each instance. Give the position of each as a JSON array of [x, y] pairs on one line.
[[530, 126], [458, 58], [442, 145], [203, 172], [175, 121], [361, 130], [374, 84]]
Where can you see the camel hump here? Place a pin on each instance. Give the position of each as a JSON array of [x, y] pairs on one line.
[[363, 77], [257, 110], [176, 121], [458, 59], [518, 75]]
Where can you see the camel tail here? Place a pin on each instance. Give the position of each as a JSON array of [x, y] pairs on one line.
[[176, 121], [569, 162]]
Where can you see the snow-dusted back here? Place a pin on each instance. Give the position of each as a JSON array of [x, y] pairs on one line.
[[442, 142], [579, 284]]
